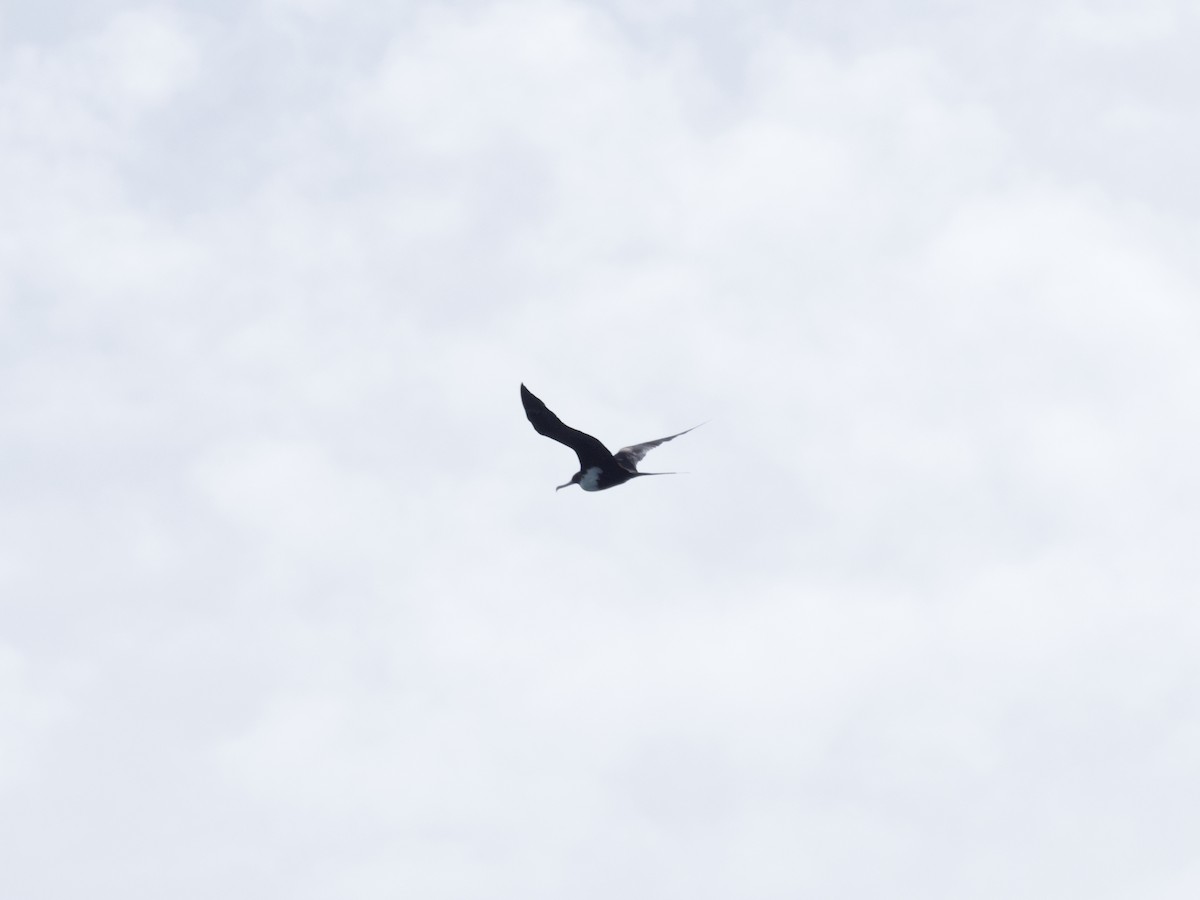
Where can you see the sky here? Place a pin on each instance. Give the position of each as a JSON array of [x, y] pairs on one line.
[[289, 606]]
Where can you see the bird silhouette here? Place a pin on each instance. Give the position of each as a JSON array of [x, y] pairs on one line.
[[598, 469]]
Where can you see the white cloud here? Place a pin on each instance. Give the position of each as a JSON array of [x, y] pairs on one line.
[[28, 715], [291, 604], [1115, 25]]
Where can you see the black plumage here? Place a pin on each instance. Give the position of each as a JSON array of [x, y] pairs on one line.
[[598, 469]]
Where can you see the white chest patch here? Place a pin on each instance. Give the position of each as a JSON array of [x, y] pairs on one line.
[[590, 481]]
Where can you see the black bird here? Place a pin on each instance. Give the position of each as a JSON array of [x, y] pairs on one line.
[[598, 469]]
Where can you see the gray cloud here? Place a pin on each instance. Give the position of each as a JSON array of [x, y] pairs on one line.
[[289, 603]]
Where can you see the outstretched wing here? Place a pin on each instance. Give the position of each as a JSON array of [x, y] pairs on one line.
[[589, 450], [629, 457]]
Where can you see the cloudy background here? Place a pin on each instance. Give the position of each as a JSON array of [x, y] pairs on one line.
[[288, 604]]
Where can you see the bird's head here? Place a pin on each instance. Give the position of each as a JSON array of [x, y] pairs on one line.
[[574, 480]]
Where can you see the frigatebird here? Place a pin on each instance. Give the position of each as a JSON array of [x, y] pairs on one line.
[[598, 469]]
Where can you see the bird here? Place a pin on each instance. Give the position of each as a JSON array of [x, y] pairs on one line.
[[598, 469]]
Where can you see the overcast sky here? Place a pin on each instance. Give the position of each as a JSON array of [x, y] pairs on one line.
[[289, 607]]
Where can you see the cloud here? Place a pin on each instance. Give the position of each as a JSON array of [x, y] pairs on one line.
[[28, 714], [290, 600]]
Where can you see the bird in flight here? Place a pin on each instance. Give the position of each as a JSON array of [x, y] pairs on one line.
[[598, 469]]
